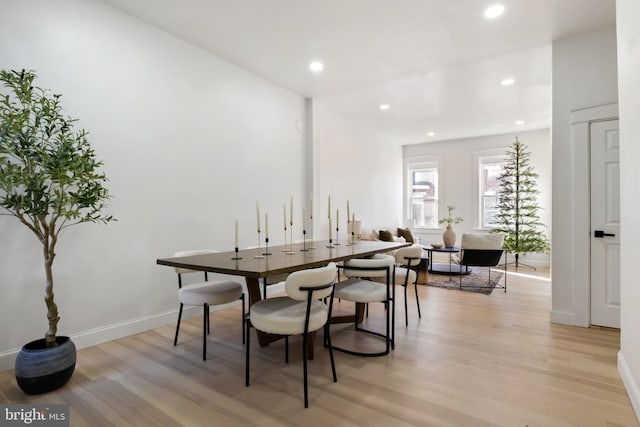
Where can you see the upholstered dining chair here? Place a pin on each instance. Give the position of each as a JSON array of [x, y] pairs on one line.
[[361, 288], [205, 294], [300, 312], [407, 260]]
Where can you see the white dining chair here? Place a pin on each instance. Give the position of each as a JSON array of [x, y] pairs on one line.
[[407, 260], [361, 288], [206, 294], [300, 312]]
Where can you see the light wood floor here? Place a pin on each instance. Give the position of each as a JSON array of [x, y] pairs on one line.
[[472, 360]]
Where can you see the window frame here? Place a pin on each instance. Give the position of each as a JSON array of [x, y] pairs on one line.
[[416, 164], [482, 158]]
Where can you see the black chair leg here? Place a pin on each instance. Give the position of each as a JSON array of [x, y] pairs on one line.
[[204, 331], [406, 312], [417, 300], [247, 328], [392, 309], [286, 349], [327, 335], [304, 367], [243, 317], [175, 339]]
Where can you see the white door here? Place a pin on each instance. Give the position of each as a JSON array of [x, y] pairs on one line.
[[605, 224]]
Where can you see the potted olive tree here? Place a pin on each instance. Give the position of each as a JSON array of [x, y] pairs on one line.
[[49, 181]]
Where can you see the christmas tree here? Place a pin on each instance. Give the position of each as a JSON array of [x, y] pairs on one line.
[[517, 205]]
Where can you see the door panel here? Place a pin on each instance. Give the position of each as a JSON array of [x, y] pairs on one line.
[[605, 222]]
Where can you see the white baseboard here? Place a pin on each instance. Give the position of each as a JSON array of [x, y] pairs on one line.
[[562, 317], [630, 383], [114, 331]]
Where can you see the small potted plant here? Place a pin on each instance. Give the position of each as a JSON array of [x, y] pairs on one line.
[[449, 236], [49, 181]]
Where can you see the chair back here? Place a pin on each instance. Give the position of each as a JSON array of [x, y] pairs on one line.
[[481, 241], [190, 253], [410, 256], [481, 250], [376, 263], [311, 278]]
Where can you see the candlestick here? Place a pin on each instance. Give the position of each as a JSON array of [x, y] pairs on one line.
[[259, 250], [348, 212], [304, 219], [258, 215], [353, 229], [290, 251], [266, 226], [266, 247], [284, 217], [304, 241], [236, 233], [329, 209], [311, 219], [236, 258], [330, 234], [337, 227]]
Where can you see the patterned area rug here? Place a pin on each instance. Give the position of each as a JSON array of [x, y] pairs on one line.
[[477, 281]]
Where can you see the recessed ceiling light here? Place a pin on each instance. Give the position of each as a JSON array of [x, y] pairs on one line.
[[519, 122], [507, 82], [316, 66], [493, 11], [384, 106], [430, 133]]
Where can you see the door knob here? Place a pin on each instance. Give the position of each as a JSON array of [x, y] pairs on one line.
[[600, 233]]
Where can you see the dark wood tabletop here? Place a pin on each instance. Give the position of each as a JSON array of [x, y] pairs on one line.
[[279, 262]]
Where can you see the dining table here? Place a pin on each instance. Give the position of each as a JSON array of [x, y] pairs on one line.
[[265, 262]]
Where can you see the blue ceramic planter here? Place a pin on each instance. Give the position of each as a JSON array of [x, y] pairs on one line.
[[40, 369]]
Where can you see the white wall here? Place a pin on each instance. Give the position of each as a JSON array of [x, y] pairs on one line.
[[190, 143], [353, 163], [458, 178], [628, 16], [584, 75]]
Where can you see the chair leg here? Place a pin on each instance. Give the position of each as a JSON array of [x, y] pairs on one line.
[[388, 338], [304, 367], [175, 339], [392, 309], [286, 349], [406, 312], [327, 335], [243, 316], [417, 300], [204, 331], [208, 322], [246, 362]]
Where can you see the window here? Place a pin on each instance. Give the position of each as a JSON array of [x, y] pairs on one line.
[[490, 170], [423, 194]]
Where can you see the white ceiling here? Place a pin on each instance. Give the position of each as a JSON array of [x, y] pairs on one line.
[[437, 63]]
